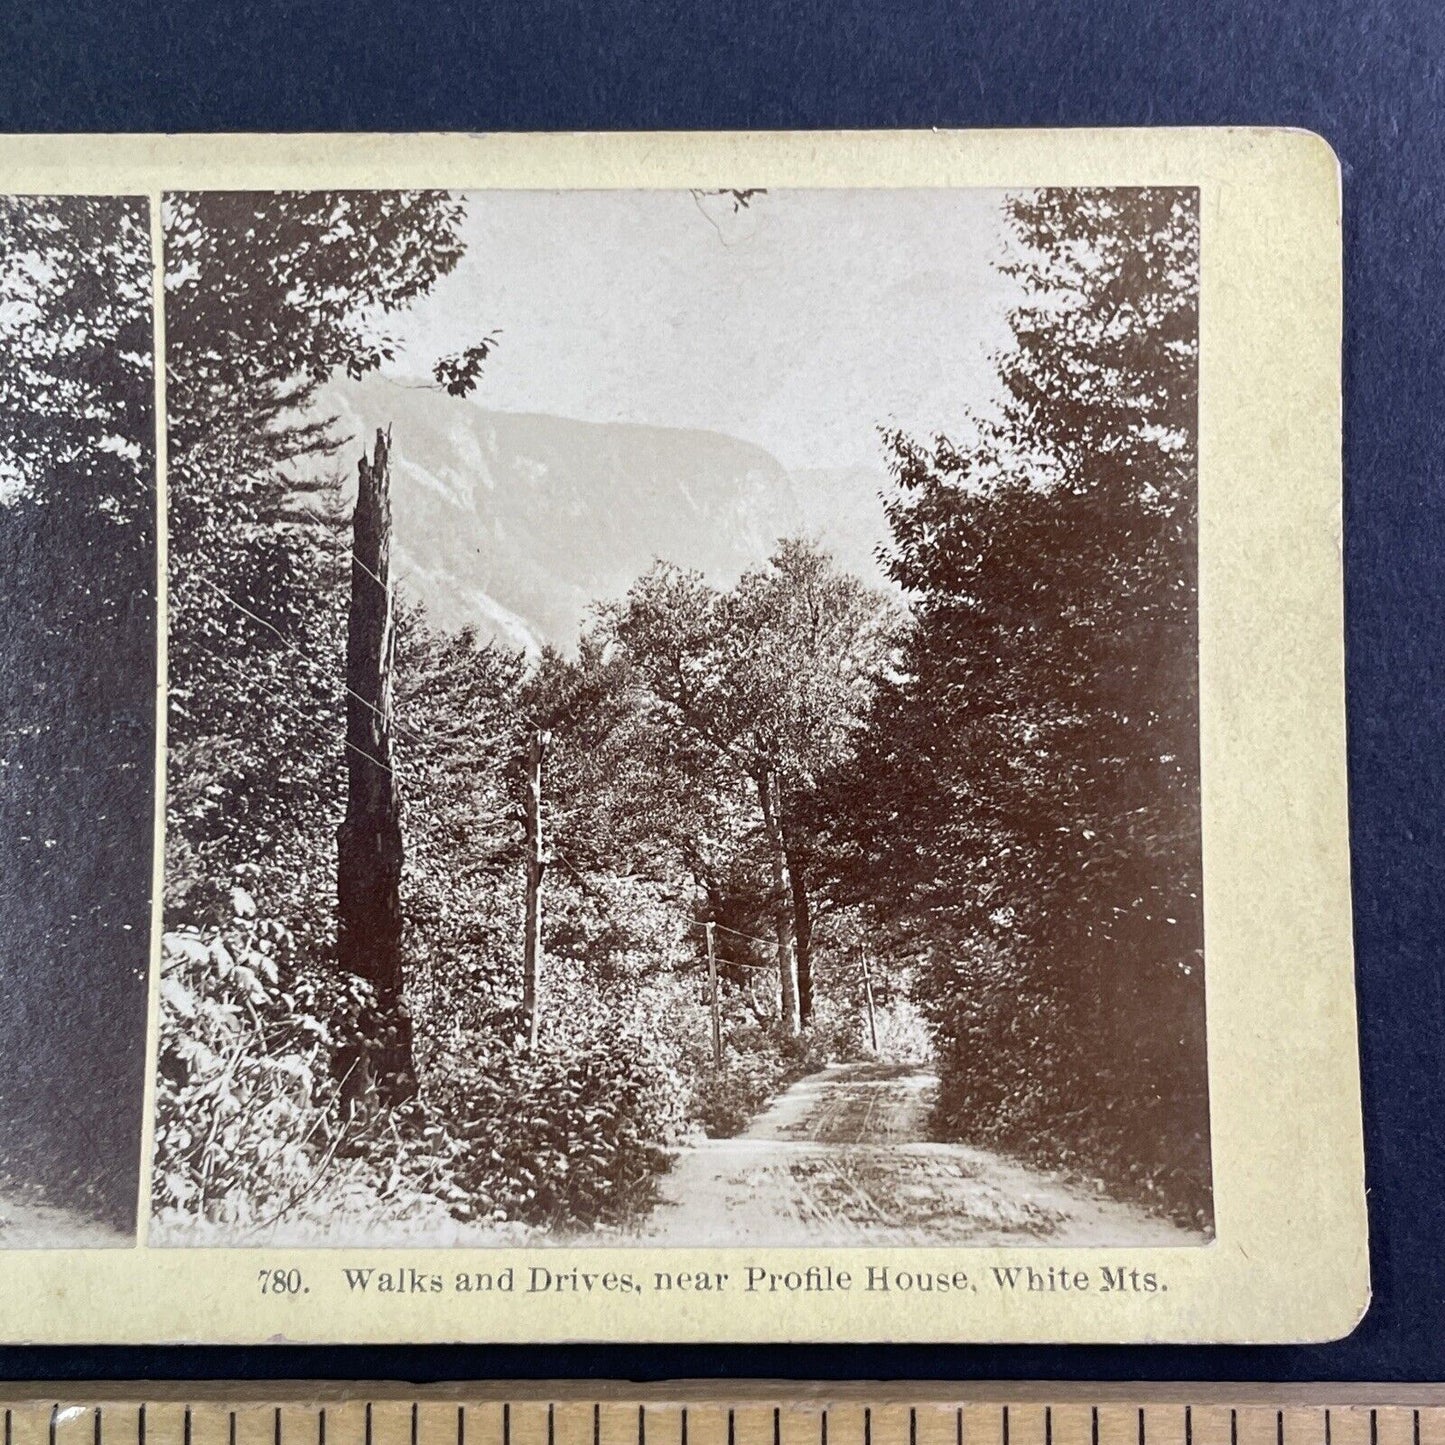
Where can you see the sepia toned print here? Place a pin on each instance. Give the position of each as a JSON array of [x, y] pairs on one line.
[[683, 720], [672, 737], [77, 729]]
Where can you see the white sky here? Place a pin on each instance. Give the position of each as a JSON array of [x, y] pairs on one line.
[[801, 323]]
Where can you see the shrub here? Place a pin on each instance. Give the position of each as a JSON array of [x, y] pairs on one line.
[[1028, 1066], [242, 1082], [759, 1062], [571, 1134], [724, 1100], [251, 1140]]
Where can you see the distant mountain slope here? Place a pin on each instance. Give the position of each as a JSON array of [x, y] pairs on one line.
[[519, 522]]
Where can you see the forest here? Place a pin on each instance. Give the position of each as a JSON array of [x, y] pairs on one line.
[[465, 944], [78, 564]]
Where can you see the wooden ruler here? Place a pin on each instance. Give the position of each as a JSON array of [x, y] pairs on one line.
[[758, 1413]]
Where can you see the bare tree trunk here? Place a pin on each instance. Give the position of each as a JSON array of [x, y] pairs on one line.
[[802, 933], [536, 866], [781, 901], [369, 843], [868, 996], [713, 999]]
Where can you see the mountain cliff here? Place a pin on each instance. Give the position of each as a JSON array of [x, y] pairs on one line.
[[519, 522]]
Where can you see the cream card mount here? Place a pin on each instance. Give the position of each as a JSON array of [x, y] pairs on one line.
[[748, 738]]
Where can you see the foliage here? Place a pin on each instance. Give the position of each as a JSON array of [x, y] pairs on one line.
[[904, 1035], [266, 296], [998, 1010], [759, 1062], [573, 1134], [458, 734], [243, 1077], [78, 595], [990, 801], [258, 1129], [1032, 770], [768, 682], [775, 674]]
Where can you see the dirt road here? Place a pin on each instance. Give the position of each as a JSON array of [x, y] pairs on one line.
[[843, 1158]]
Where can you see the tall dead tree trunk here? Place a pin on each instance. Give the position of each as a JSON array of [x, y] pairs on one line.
[[369, 843], [536, 866], [767, 785]]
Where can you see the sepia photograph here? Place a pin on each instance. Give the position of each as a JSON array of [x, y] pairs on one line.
[[78, 579], [682, 717]]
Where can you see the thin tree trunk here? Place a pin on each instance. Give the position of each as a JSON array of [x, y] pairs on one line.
[[713, 999], [868, 996], [536, 866], [369, 843], [781, 901], [802, 933]]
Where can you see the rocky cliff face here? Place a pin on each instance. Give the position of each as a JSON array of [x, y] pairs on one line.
[[518, 523]]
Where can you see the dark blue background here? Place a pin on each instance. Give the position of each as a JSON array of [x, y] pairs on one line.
[[1368, 75]]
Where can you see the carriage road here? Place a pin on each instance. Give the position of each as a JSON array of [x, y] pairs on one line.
[[844, 1158]]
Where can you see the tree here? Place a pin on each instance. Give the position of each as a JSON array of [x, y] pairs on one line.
[[1032, 772], [369, 843], [773, 677], [458, 732], [270, 294], [77, 740], [267, 297]]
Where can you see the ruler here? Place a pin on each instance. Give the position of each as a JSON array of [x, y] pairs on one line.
[[760, 1413]]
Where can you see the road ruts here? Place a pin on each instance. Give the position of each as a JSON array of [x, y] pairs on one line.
[[844, 1158]]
